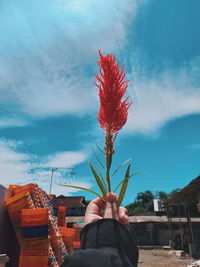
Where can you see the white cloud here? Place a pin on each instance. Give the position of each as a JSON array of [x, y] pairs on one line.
[[45, 52], [100, 24], [43, 68], [162, 98], [20, 168], [13, 166], [65, 159], [9, 122]]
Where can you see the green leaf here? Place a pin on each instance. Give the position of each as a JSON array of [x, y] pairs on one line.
[[100, 149], [124, 186], [121, 166], [124, 179], [98, 180], [102, 178], [83, 188], [98, 159], [115, 136]]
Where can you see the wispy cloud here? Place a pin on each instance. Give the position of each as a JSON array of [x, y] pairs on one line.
[[11, 121], [65, 159], [20, 168], [13, 165], [161, 98], [47, 57], [46, 48]]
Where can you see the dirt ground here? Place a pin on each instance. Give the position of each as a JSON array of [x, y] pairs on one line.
[[158, 258]]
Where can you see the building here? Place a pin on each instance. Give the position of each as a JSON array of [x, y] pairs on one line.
[[186, 204], [76, 205]]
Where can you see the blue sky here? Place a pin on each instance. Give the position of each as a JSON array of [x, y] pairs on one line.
[[49, 104]]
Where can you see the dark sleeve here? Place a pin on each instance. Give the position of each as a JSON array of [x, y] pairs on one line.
[[104, 243]]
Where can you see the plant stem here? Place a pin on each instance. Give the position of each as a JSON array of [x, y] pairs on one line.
[[108, 163], [109, 152]]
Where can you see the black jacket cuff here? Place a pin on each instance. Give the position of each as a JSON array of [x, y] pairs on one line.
[[109, 233]]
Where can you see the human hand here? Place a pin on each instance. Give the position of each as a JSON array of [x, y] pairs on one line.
[[99, 209]]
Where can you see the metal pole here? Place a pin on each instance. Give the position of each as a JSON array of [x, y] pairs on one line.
[[52, 171]]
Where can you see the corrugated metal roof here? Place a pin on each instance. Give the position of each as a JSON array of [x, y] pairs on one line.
[[188, 193], [71, 201]]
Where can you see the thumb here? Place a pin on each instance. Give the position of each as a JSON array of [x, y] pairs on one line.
[[111, 209]]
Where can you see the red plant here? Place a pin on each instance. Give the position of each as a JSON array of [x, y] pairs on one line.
[[113, 110], [112, 116]]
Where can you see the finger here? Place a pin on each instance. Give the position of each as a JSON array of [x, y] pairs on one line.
[[123, 217], [94, 210], [95, 206], [122, 211], [111, 210], [111, 197], [99, 202]]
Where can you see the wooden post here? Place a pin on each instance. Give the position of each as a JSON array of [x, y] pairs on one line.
[[180, 225], [170, 227], [186, 207]]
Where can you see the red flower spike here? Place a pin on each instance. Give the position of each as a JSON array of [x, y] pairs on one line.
[[113, 110], [112, 87], [112, 116]]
